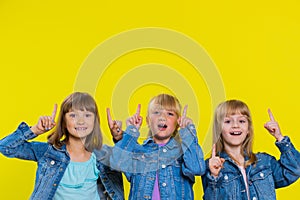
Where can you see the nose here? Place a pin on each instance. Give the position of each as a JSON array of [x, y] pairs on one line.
[[162, 117], [80, 120], [235, 123]]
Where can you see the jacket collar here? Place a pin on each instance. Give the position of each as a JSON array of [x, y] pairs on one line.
[[172, 143]]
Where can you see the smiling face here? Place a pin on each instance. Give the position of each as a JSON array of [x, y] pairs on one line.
[[79, 123], [235, 129]]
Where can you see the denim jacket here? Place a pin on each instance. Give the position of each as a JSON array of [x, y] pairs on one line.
[[176, 164], [52, 163], [263, 177]]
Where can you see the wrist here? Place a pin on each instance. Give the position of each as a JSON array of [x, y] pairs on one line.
[[35, 130], [279, 138]]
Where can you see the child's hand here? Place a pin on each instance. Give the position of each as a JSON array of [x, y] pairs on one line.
[[115, 126], [45, 123], [215, 163], [136, 120], [273, 127], [183, 121]]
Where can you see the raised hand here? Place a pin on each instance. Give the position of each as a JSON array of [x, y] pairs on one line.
[[215, 163], [183, 121], [115, 126], [273, 127], [135, 120], [45, 123]]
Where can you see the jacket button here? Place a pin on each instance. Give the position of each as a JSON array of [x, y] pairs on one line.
[[164, 184], [52, 162], [165, 150], [163, 166], [226, 177], [254, 198], [54, 184], [261, 174]]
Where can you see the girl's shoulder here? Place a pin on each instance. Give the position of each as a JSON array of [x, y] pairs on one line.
[[263, 156], [263, 159]]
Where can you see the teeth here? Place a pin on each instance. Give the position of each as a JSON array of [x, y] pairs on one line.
[[80, 129], [162, 126], [236, 133]]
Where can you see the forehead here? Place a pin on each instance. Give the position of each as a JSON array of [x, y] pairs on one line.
[[235, 116], [154, 106], [73, 109]]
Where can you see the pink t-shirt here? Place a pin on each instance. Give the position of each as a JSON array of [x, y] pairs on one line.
[[156, 193], [245, 179]]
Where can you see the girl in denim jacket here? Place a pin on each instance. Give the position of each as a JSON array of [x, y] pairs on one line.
[[165, 165], [234, 171], [67, 167]]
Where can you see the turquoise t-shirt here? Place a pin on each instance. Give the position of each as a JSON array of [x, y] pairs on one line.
[[79, 181]]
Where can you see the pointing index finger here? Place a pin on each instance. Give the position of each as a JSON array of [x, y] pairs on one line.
[[138, 110], [271, 115], [109, 119], [213, 151], [54, 112], [184, 111]]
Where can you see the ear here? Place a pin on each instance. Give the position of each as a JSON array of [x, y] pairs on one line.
[[147, 120]]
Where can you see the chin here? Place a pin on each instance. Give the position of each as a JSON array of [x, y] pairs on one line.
[[161, 137]]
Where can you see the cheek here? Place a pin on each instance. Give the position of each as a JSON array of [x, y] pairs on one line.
[[225, 129]]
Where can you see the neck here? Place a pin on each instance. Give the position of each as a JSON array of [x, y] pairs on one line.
[[77, 151], [236, 154]]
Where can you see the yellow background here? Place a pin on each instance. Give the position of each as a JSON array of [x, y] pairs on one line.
[[255, 47]]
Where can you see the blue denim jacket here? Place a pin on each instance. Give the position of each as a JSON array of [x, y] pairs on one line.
[[264, 176], [52, 163], [176, 164]]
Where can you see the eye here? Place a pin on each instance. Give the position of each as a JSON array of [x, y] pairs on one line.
[[227, 121], [171, 114], [243, 121], [155, 112], [72, 115]]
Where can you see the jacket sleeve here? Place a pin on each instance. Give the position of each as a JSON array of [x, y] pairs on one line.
[[212, 186], [122, 152], [192, 153], [287, 169], [16, 145], [112, 181]]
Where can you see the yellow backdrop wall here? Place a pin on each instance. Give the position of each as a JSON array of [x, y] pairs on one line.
[[201, 51]]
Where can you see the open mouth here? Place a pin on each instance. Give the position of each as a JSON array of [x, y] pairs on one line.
[[80, 128], [162, 126], [236, 133]]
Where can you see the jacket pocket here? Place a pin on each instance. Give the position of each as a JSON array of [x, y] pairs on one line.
[[263, 182], [49, 168]]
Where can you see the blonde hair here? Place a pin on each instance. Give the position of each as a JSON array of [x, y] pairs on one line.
[[165, 101], [225, 109], [78, 101]]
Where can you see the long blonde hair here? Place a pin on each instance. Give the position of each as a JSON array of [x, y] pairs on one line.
[[78, 101], [225, 109], [165, 101]]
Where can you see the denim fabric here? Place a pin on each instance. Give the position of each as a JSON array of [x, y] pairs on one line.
[[176, 163], [264, 176], [52, 163]]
